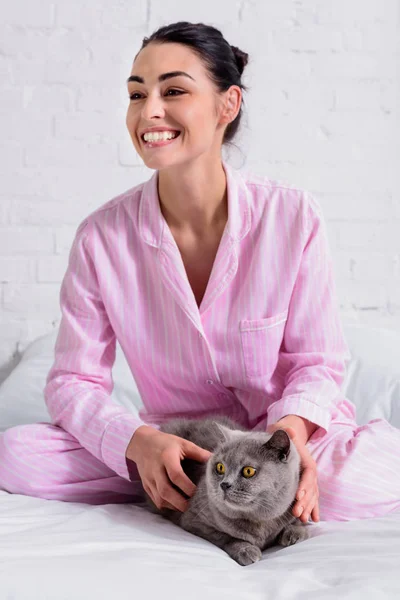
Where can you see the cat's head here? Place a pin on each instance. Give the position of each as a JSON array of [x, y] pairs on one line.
[[253, 472]]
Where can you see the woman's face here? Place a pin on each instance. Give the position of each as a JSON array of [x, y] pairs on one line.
[[189, 104]]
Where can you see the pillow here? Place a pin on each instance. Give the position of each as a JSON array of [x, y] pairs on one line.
[[21, 393], [372, 378]]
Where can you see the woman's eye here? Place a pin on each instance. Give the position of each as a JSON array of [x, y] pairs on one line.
[[178, 91], [167, 93]]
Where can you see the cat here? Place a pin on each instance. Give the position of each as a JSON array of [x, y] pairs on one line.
[[245, 491]]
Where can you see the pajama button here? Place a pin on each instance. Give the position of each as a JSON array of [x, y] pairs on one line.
[[210, 381]]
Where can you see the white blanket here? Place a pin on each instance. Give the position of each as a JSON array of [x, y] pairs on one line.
[[58, 550]]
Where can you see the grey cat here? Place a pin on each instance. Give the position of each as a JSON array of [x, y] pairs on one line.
[[245, 491]]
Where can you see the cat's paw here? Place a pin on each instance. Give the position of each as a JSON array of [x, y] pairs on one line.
[[293, 534], [243, 552]]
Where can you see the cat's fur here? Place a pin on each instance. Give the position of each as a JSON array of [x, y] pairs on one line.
[[262, 515]]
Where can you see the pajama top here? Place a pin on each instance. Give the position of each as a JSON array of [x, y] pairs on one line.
[[266, 341]]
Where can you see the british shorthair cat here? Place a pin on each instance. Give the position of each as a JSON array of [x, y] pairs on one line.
[[245, 491]]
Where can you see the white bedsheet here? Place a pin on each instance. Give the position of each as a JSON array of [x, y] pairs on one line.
[[58, 550]]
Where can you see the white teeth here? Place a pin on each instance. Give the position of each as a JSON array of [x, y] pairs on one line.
[[159, 136]]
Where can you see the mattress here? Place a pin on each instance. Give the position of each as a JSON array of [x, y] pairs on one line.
[[60, 550]]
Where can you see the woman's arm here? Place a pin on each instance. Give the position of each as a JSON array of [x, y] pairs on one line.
[[79, 384], [313, 351], [303, 428]]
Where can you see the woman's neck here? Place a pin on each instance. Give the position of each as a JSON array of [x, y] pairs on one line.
[[193, 199]]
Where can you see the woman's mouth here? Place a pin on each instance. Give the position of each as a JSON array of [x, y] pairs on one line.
[[158, 143]]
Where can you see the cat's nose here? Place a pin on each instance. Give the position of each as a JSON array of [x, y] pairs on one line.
[[225, 485]]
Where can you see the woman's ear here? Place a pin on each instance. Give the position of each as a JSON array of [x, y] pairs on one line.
[[231, 104]]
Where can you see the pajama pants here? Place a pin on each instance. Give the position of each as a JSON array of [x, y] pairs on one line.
[[358, 468]]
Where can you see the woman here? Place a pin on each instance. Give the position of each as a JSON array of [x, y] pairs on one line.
[[219, 288]]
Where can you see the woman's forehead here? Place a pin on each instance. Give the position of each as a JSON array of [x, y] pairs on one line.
[[156, 59]]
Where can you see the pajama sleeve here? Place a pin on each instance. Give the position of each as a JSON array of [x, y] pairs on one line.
[[313, 352], [79, 384]]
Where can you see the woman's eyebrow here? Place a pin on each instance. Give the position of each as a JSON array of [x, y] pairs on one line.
[[162, 77]]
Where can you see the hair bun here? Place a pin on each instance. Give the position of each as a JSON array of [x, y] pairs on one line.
[[242, 58]]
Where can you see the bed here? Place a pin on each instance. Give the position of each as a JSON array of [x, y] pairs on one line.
[[58, 550]]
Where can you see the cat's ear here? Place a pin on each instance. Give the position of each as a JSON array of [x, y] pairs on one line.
[[280, 443], [228, 434]]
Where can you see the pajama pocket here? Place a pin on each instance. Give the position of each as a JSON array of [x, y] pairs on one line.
[[261, 340]]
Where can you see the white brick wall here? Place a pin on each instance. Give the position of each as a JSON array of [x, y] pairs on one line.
[[322, 113]]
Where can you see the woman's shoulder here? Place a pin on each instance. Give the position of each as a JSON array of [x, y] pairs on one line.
[[117, 201], [108, 212], [282, 191]]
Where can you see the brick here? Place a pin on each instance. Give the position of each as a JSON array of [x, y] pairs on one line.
[[364, 126], [369, 38], [372, 207], [373, 266], [88, 126], [17, 269], [64, 236], [31, 300], [380, 236], [52, 98], [21, 41], [346, 65], [360, 96], [4, 210], [25, 240], [127, 155], [6, 70], [363, 296], [12, 155], [69, 153], [307, 38], [356, 11], [34, 13], [35, 210], [51, 269], [19, 126], [208, 12], [11, 99], [99, 14], [101, 99], [294, 67]]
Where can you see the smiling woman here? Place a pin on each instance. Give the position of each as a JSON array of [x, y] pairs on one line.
[[185, 93], [219, 286]]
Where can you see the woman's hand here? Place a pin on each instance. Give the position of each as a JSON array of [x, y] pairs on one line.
[[158, 457], [307, 492]]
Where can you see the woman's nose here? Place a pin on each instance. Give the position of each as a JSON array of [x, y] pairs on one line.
[[153, 106]]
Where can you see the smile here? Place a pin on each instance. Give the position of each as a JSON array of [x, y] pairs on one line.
[[160, 142]]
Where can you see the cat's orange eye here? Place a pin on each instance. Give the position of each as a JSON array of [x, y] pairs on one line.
[[220, 468], [248, 471]]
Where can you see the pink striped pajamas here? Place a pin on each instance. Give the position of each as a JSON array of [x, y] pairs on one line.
[[265, 342]]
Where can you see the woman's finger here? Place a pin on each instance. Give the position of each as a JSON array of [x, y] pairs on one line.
[[305, 495], [315, 512], [166, 493], [307, 481], [311, 509]]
